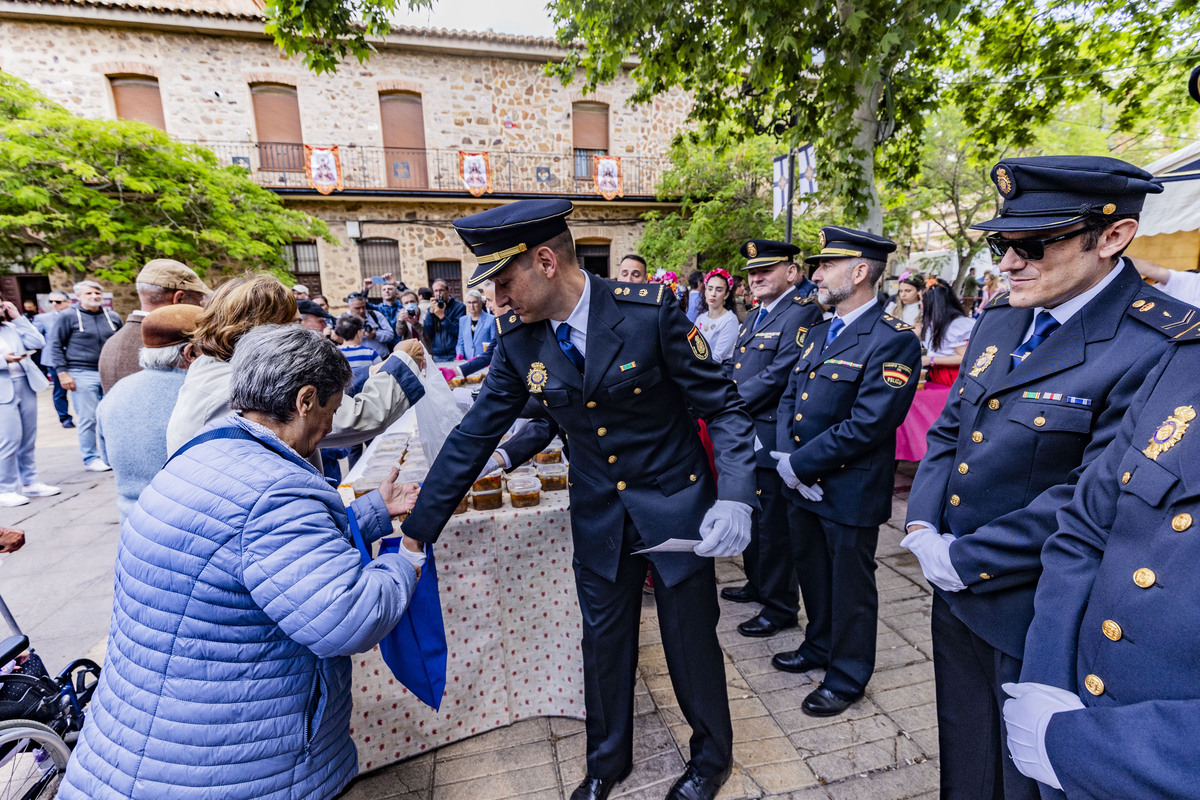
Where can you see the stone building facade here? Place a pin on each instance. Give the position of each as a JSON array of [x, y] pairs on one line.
[[207, 64]]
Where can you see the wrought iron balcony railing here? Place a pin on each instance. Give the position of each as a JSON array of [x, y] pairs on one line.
[[281, 166]]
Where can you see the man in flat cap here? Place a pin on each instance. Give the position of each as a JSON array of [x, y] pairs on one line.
[[131, 420], [835, 448], [162, 282], [1050, 370], [766, 350], [615, 365]]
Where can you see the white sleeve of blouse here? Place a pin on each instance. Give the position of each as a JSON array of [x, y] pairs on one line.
[[959, 333]]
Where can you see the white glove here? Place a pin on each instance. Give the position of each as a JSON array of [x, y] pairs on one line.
[[725, 530], [933, 551], [492, 465], [416, 559], [812, 493], [1026, 717]]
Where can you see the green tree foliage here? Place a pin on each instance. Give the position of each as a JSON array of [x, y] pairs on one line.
[[860, 77], [325, 32], [725, 191], [102, 197]]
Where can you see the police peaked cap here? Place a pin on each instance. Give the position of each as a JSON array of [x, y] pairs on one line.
[[839, 242], [765, 252], [500, 234]]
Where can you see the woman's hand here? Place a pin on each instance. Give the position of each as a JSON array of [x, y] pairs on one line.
[[399, 498], [13, 358], [10, 310]]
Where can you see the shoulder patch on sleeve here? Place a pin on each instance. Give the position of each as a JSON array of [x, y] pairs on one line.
[[649, 293], [1173, 318], [507, 322], [898, 324], [999, 300]]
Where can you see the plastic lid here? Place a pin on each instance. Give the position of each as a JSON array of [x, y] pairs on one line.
[[524, 485]]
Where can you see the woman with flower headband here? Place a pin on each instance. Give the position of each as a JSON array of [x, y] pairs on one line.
[[718, 324], [907, 305]]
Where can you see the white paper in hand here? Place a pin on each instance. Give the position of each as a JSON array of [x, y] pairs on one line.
[[671, 546]]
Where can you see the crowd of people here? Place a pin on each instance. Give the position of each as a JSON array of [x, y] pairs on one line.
[[759, 416]]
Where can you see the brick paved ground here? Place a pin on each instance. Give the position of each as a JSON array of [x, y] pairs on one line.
[[883, 748]]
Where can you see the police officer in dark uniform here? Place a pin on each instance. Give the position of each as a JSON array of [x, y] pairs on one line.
[[1049, 372], [836, 447], [1109, 705], [766, 349], [615, 365]]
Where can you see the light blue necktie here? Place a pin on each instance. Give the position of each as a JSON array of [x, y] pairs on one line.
[[834, 327]]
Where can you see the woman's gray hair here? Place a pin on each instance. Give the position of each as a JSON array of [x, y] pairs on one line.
[[478, 295], [162, 358], [273, 362]]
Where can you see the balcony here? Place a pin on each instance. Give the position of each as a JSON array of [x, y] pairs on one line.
[[393, 171]]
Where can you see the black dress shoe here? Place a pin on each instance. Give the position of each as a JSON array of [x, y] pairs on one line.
[[822, 702], [596, 788], [691, 786], [761, 626], [67, 423], [742, 594], [793, 662]]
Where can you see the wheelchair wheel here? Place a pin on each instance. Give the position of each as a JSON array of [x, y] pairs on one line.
[[33, 759]]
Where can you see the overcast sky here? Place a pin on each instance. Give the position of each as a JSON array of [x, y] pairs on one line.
[[525, 17]]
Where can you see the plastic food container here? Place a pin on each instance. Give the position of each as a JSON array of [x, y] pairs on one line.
[[524, 492], [551, 455], [412, 475], [367, 483], [487, 501], [553, 477], [522, 472], [463, 505], [489, 484]]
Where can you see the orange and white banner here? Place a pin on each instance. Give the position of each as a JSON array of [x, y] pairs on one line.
[[323, 166], [606, 172], [475, 169]]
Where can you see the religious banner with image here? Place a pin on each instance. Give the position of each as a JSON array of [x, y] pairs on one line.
[[475, 169], [606, 172], [323, 166]]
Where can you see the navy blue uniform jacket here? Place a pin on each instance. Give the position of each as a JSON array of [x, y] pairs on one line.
[[1118, 606], [1008, 449], [634, 448], [839, 414], [763, 359]]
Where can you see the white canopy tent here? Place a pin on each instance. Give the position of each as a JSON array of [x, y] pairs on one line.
[[1178, 207]]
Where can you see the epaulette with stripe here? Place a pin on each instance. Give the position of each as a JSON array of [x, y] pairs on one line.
[[800, 300], [651, 293], [1175, 319], [897, 323], [507, 322], [999, 300]]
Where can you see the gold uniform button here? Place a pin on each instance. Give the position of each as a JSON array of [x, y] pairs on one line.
[[591, 403], [1039, 421], [797, 370], [799, 417], [546, 403], [692, 478], [621, 485], [977, 437], [833, 376], [1111, 629], [1126, 477], [742, 350], [812, 375], [638, 390], [1139, 303], [804, 395], [960, 391], [955, 500], [962, 468], [761, 346], [985, 576], [737, 365], [758, 491], [1144, 578], [797, 438], [612, 459], [1094, 685], [601, 431], [994, 404], [1182, 522]]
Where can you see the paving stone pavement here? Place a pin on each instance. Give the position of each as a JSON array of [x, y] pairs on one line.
[[884, 747]]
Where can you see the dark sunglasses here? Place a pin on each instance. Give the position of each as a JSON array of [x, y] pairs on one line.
[[56, 302], [1031, 249]]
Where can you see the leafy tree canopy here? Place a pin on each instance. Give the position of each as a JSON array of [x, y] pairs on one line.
[[102, 197], [326, 32]]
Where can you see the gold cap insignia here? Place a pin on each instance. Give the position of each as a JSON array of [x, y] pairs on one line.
[[537, 377], [821, 239], [1109, 208], [1004, 181], [751, 249], [984, 361], [1170, 432]]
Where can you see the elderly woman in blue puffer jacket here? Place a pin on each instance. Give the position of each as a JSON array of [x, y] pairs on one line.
[[239, 598]]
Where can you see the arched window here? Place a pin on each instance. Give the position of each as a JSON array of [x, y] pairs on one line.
[[136, 98], [589, 135]]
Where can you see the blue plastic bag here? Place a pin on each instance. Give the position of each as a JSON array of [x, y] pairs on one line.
[[415, 650]]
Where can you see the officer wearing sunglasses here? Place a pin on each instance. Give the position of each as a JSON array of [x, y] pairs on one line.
[[1050, 370]]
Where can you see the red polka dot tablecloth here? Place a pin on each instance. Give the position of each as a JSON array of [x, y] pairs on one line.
[[512, 632]]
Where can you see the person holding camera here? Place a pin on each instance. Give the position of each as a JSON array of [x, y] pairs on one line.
[[377, 331], [18, 409], [441, 323], [408, 321], [391, 306]]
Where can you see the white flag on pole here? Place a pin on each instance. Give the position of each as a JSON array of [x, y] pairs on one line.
[[806, 166], [779, 187]]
